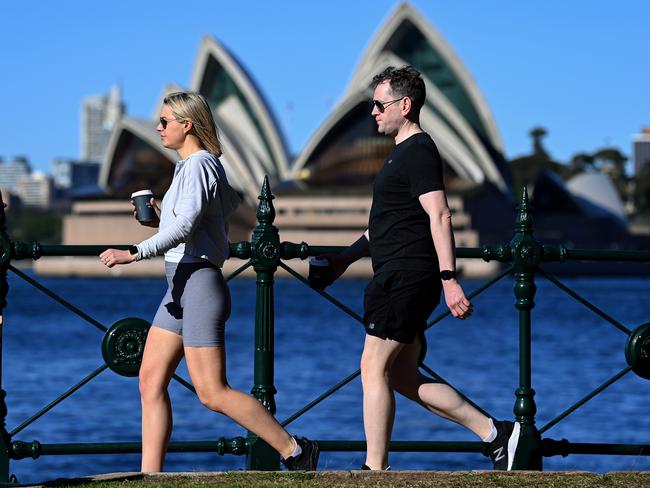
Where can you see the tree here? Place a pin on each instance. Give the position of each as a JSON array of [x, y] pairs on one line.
[[611, 161], [581, 162], [538, 133]]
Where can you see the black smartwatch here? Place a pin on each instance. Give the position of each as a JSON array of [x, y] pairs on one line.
[[448, 274]]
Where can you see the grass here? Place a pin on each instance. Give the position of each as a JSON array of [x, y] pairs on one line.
[[354, 479]]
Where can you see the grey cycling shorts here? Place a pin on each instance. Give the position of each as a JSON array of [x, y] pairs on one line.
[[196, 305]]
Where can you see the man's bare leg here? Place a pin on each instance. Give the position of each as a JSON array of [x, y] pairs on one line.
[[436, 397], [378, 397]]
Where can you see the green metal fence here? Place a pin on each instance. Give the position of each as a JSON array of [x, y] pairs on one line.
[[123, 343]]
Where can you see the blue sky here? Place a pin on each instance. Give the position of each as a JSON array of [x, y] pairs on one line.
[[579, 68]]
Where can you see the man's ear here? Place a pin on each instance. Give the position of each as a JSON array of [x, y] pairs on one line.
[[407, 108]]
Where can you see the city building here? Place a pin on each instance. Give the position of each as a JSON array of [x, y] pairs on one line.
[[74, 178], [62, 173], [641, 155], [99, 114], [641, 150], [35, 190], [12, 171]]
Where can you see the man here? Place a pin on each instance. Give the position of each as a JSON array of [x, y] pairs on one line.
[[411, 244]]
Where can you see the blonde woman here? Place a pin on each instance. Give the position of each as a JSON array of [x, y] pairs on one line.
[[191, 319]]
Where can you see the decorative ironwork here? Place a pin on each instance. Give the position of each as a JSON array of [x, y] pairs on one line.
[[637, 351], [123, 345], [22, 450]]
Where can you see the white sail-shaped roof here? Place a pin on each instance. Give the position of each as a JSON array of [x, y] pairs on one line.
[[405, 21], [144, 130], [457, 141], [221, 79], [346, 149]]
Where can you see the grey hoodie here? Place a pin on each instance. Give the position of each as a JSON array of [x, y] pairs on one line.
[[194, 213]]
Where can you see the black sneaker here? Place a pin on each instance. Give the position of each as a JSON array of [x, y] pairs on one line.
[[502, 449], [365, 467], [307, 459]]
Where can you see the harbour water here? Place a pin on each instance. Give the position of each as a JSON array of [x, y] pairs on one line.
[[47, 349]]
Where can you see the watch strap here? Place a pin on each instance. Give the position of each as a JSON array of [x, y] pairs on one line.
[[447, 274]]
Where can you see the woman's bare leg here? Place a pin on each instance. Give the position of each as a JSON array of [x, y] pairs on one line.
[[207, 368], [162, 353]]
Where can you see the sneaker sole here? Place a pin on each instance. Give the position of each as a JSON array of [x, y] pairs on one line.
[[512, 444]]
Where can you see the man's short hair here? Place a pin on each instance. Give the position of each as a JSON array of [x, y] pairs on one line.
[[404, 82]]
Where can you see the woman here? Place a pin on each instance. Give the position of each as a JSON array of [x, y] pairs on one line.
[[192, 315]]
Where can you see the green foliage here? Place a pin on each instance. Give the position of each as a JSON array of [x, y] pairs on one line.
[[608, 160], [29, 224], [357, 479]]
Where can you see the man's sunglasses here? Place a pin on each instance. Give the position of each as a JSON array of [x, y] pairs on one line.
[[381, 106], [164, 121]]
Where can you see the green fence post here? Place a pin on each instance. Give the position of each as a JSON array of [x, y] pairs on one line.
[[5, 258], [526, 255], [265, 256]]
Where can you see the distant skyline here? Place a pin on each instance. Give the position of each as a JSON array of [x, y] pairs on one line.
[[576, 68]]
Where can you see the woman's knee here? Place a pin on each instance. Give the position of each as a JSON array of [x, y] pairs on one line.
[[152, 385], [214, 399]]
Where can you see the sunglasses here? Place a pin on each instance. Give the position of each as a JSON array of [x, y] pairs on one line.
[[381, 106], [164, 121]]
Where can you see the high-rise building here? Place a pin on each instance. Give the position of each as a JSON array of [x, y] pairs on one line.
[[11, 171], [641, 149], [35, 190], [98, 116]]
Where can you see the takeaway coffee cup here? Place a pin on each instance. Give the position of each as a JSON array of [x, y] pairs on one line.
[[318, 272], [144, 212]]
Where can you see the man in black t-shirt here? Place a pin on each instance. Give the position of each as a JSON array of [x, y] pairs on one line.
[[411, 244]]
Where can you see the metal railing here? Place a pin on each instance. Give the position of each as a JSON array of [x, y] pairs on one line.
[[123, 343]]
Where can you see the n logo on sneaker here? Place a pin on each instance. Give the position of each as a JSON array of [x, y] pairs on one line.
[[498, 454]]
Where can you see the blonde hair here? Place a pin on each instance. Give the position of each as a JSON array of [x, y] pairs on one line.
[[194, 107]]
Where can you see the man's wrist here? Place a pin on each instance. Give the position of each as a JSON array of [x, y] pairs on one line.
[[448, 274]]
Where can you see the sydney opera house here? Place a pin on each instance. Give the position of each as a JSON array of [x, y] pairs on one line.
[[324, 191]]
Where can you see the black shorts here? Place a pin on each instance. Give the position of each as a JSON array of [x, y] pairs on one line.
[[398, 303]]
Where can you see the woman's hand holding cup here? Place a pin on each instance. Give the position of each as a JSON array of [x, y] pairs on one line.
[[145, 208]]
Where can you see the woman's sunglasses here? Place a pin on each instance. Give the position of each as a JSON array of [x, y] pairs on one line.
[[164, 121]]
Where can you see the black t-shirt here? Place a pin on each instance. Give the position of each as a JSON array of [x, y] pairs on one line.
[[400, 232]]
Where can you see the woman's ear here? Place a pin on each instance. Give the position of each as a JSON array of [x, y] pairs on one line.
[[187, 126]]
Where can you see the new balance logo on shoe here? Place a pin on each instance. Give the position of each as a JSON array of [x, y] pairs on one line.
[[498, 455]]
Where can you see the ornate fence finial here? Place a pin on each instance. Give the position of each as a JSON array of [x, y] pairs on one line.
[[524, 219], [265, 210]]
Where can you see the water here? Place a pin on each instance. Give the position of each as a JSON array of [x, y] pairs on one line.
[[48, 349]]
